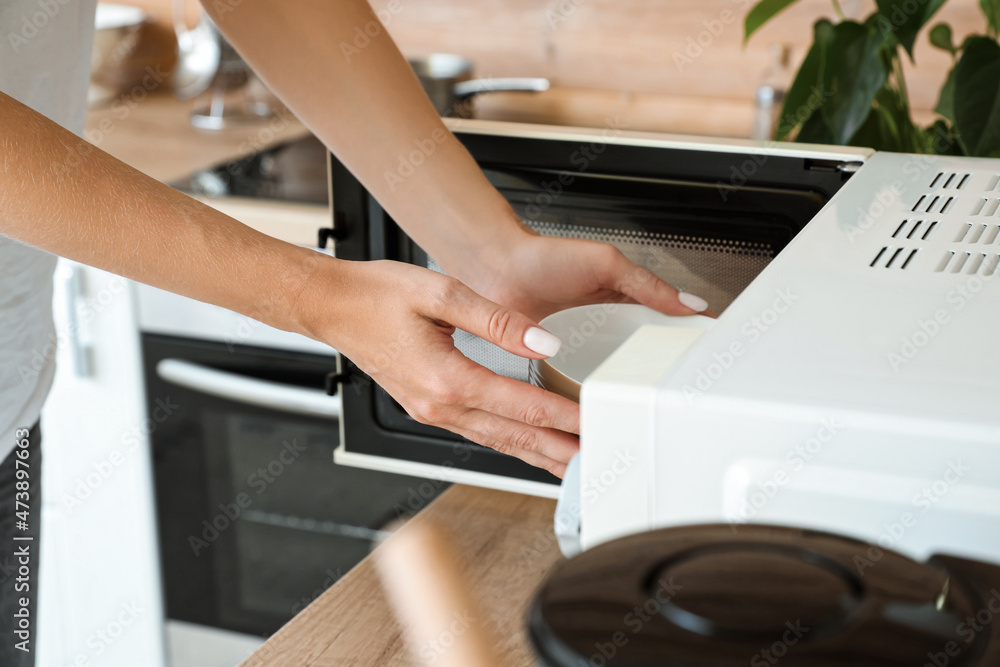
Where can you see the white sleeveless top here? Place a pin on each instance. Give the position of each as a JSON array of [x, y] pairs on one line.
[[45, 48]]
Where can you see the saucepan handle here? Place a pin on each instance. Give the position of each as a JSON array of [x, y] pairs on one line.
[[466, 89]]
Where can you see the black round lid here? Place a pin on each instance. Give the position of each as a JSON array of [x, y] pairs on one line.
[[720, 596]]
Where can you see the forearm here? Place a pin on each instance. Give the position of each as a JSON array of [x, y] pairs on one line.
[[63, 195], [367, 106]]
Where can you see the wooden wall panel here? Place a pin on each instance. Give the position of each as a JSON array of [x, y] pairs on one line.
[[629, 45], [618, 56]]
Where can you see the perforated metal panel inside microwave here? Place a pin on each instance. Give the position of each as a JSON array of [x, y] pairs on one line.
[[715, 269]]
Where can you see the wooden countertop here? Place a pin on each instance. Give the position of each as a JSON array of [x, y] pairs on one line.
[[506, 544], [155, 136]]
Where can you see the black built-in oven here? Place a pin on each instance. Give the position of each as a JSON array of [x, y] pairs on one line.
[[255, 519], [705, 218]]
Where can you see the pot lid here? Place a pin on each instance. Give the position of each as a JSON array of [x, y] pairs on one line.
[[753, 595]]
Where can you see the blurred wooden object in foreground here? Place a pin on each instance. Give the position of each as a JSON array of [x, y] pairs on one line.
[[436, 605]]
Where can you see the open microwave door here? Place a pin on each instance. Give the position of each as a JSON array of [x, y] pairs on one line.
[[706, 215]]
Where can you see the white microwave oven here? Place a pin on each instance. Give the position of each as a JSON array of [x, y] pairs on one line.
[[851, 383], [706, 215]]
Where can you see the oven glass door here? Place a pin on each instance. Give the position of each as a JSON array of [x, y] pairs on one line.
[[255, 519]]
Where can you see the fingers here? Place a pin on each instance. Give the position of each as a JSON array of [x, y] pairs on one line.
[[646, 288], [510, 416], [459, 306], [520, 401], [548, 449], [510, 435]]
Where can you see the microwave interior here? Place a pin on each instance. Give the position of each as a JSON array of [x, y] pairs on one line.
[[705, 221]]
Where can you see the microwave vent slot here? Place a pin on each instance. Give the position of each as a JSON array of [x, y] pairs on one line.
[[950, 180], [969, 263], [986, 206], [994, 184], [931, 203], [976, 232], [919, 230], [890, 257]]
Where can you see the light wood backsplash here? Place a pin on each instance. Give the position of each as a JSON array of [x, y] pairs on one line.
[[639, 46], [641, 58]]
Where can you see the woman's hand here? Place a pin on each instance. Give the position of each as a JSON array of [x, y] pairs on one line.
[[539, 275], [395, 322]]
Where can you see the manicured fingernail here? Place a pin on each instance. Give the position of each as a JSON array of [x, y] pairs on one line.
[[542, 342], [693, 302]]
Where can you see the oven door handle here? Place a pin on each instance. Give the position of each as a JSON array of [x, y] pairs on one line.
[[250, 391]]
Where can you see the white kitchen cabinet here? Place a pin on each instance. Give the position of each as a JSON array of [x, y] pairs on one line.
[[100, 598]]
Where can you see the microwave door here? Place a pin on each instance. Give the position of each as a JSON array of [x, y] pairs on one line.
[[704, 215]]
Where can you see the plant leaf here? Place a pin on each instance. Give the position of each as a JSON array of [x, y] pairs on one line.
[[815, 131], [804, 96], [894, 111], [941, 38], [977, 97], [905, 18], [762, 12], [946, 102], [876, 133], [942, 140], [853, 72], [992, 10]]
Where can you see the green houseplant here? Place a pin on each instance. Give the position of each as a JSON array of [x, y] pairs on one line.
[[850, 88]]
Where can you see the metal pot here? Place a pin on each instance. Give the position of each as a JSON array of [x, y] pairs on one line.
[[447, 80]]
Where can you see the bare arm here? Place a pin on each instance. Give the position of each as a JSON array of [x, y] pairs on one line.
[[63, 195], [366, 104], [59, 193], [394, 320]]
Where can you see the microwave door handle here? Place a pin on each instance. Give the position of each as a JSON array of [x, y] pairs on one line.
[[250, 391]]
